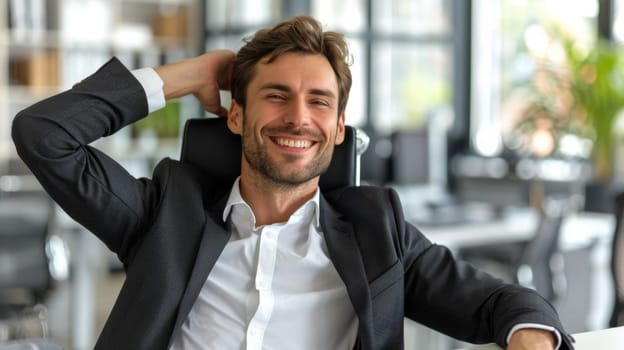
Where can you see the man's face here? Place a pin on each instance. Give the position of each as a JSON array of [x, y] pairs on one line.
[[290, 124]]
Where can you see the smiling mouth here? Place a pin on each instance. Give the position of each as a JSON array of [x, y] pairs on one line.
[[301, 144]]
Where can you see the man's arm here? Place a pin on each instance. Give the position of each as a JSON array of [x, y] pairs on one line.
[[453, 297], [53, 137]]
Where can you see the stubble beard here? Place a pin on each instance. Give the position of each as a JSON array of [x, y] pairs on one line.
[[261, 162]]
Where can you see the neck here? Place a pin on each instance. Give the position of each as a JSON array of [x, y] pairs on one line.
[[273, 202]]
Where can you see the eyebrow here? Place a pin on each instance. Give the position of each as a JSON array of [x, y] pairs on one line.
[[286, 88]]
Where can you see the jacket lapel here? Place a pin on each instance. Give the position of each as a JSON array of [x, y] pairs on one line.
[[343, 251], [345, 255], [215, 236]]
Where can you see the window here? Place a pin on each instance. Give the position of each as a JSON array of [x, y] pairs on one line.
[[411, 82], [508, 36], [618, 21], [402, 55], [227, 22], [403, 52]]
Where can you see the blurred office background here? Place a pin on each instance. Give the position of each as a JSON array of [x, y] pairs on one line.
[[498, 122]]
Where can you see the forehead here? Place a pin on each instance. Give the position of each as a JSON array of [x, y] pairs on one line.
[[296, 70]]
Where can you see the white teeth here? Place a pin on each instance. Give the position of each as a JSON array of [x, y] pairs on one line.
[[293, 143]]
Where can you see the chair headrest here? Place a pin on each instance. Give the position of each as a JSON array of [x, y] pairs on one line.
[[208, 144]]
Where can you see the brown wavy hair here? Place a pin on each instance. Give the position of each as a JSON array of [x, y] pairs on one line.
[[301, 34]]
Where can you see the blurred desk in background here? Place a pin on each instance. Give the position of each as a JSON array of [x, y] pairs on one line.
[[579, 230], [515, 225], [87, 265]]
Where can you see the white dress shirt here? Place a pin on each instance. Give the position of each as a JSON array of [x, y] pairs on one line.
[[273, 287]]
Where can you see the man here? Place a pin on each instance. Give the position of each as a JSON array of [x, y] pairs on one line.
[[267, 262]]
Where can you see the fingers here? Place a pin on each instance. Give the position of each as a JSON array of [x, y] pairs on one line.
[[217, 70], [225, 59], [212, 103], [222, 112], [218, 65]]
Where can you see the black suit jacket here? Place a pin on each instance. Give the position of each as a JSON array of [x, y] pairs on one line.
[[168, 233]]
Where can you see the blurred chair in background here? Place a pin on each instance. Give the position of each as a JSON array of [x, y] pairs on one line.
[[32, 260], [617, 263], [536, 264]]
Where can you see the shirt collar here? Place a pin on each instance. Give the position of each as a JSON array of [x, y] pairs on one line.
[[235, 198]]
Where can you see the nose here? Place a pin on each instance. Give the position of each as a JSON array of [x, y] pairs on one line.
[[298, 113]]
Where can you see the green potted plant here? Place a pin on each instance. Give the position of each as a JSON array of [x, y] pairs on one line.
[[163, 123], [581, 93]]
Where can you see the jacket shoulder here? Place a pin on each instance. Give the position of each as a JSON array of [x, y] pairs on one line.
[[186, 179], [375, 214], [361, 200]]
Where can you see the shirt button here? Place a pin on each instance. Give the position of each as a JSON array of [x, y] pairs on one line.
[[254, 331], [263, 284]]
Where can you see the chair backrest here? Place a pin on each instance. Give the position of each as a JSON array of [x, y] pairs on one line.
[[617, 263], [539, 252], [208, 144], [25, 223]]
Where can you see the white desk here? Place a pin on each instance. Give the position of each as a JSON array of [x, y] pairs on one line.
[[606, 339], [578, 230], [514, 227]]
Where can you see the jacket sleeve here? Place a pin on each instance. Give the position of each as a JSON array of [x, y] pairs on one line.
[[52, 138], [451, 296]]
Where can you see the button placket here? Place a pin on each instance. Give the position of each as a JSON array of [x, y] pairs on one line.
[[267, 255]]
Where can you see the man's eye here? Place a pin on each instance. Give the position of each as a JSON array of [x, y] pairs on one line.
[[320, 103], [275, 97]]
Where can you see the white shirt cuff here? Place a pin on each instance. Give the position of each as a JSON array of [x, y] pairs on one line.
[[538, 326], [153, 86]]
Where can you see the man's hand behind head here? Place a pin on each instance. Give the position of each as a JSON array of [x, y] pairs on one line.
[[218, 67], [203, 76]]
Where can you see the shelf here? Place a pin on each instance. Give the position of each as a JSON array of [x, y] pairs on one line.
[[29, 39], [23, 94], [77, 38], [160, 2]]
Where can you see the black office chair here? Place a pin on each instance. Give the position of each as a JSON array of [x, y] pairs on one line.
[[32, 260], [536, 264], [222, 162], [25, 221], [617, 264]]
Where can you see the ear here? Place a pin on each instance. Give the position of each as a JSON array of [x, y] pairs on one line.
[[235, 118], [340, 130]]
